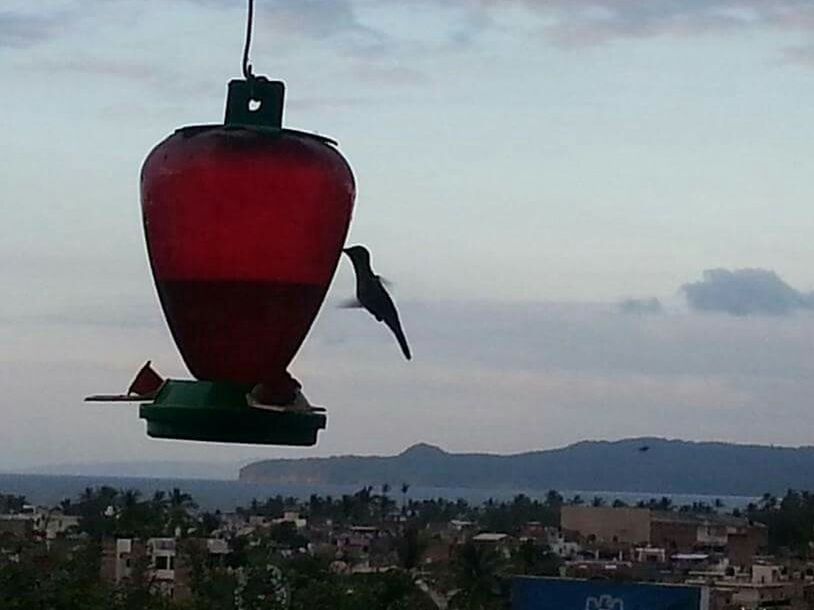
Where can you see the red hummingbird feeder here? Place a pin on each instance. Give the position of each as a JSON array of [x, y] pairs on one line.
[[244, 223]]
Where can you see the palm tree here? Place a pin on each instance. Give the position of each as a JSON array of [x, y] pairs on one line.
[[133, 517], [405, 487], [384, 500], [181, 499], [181, 505], [553, 499], [130, 498], [526, 557], [158, 509], [410, 547], [537, 560], [476, 577], [768, 501], [210, 522], [159, 500]]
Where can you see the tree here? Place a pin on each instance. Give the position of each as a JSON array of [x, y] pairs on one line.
[[768, 502], [96, 511], [261, 584], [67, 507], [405, 487], [476, 577], [140, 591], [536, 560], [286, 535], [410, 548], [384, 500], [64, 579], [181, 505], [132, 518], [790, 521], [553, 499], [392, 590], [10, 503], [212, 587], [209, 522]]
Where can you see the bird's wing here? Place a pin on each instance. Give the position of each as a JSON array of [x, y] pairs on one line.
[[388, 314], [399, 333]]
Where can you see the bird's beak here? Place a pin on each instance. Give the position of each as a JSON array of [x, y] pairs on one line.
[[345, 250]]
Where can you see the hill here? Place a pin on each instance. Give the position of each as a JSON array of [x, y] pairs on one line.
[[668, 466]]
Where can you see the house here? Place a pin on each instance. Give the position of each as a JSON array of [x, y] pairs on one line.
[[161, 558], [18, 527], [737, 538], [502, 543], [604, 524], [650, 554], [563, 544]]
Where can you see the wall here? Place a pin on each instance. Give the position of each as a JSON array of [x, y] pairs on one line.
[[625, 525]]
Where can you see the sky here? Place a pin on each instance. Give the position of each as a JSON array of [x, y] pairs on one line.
[[596, 215]]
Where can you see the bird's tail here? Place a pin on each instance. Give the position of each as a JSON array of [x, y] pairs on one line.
[[402, 341]]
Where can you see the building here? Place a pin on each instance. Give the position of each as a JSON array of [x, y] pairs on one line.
[[17, 527], [32, 521], [159, 558], [765, 585], [736, 538], [603, 524], [650, 554], [500, 542]]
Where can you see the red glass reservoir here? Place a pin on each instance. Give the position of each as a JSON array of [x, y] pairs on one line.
[[244, 228]]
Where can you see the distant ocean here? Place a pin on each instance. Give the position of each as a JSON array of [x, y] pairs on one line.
[[48, 490]]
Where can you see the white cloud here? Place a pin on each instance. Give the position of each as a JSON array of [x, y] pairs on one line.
[[486, 377]]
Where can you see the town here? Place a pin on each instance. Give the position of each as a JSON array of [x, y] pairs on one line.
[[378, 548]]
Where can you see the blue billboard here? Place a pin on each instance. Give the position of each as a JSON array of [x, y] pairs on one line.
[[530, 593]]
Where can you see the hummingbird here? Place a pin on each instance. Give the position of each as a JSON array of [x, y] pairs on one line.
[[371, 295]]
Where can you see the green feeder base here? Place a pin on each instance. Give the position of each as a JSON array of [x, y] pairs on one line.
[[218, 412]]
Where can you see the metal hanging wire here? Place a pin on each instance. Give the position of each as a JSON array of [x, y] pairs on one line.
[[248, 73]]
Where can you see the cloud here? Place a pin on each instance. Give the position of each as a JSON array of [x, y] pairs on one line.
[[383, 74], [20, 30], [582, 22], [587, 23], [350, 27], [640, 306], [141, 73], [486, 376], [745, 291], [334, 20], [802, 55]]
